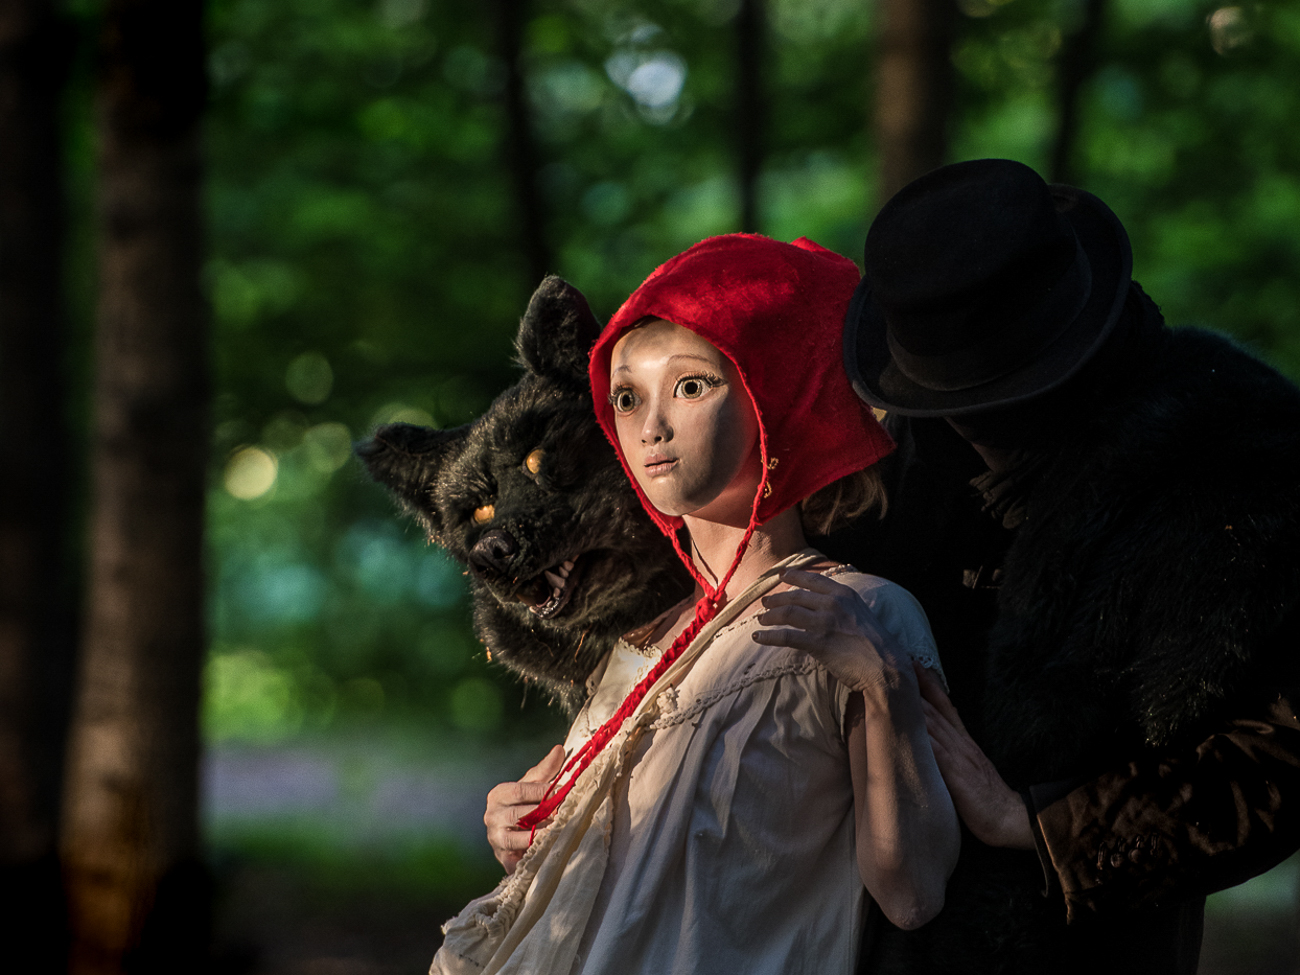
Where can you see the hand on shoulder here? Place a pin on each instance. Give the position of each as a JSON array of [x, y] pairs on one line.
[[831, 622]]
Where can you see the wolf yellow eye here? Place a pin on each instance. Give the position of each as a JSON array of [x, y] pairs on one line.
[[484, 513], [533, 462]]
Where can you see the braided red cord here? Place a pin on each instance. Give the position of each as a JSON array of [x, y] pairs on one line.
[[705, 610]]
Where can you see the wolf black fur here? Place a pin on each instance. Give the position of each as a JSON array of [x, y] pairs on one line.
[[577, 506]]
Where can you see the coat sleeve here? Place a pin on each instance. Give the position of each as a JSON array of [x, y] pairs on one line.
[[1178, 823]]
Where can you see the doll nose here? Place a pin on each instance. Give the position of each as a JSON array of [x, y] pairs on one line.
[[656, 430]]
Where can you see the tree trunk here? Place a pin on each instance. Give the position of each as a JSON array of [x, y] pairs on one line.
[[1076, 63], [750, 48], [136, 892], [521, 146], [36, 634], [914, 84]]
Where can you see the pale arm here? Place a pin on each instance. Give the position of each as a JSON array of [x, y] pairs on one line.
[[907, 832]]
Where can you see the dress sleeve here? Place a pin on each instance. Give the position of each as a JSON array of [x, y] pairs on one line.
[[1193, 821], [902, 617]]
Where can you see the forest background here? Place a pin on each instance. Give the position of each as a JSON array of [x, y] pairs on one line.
[[245, 233]]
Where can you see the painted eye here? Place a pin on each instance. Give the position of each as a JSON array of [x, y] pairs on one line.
[[484, 513], [533, 462], [623, 400], [692, 387]]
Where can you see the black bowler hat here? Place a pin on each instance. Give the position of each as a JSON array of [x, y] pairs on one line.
[[984, 287]]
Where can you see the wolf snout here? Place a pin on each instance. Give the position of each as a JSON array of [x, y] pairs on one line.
[[492, 553]]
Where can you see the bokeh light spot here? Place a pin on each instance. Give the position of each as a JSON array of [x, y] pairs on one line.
[[654, 79], [284, 431], [400, 413], [250, 473], [401, 13], [570, 86], [309, 378], [657, 82], [328, 446], [1229, 29]]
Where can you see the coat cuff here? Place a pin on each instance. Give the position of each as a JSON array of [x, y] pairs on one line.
[[1037, 798]]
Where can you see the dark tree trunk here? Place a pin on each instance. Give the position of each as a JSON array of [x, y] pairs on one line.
[[750, 49], [136, 892], [521, 145], [36, 633], [1076, 63], [914, 85]]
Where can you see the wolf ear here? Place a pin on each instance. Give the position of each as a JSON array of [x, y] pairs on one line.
[[408, 460], [556, 334]]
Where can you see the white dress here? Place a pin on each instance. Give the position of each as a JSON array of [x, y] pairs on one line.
[[725, 842]]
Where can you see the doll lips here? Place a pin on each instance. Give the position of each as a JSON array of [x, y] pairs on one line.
[[658, 465]]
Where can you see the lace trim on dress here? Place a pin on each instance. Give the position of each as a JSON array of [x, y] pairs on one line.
[[701, 704], [930, 661], [927, 655]]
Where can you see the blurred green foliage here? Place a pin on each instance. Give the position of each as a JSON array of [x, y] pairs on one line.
[[367, 263], [1187, 132], [401, 868]]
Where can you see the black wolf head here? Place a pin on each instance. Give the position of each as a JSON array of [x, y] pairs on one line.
[[531, 497]]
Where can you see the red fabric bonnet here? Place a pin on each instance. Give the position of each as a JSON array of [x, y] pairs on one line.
[[777, 311]]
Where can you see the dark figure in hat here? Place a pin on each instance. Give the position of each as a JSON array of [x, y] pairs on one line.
[[1112, 574]]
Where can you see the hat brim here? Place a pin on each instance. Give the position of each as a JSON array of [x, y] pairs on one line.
[[878, 380]]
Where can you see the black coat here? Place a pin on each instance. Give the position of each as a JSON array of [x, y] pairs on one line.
[[1128, 657]]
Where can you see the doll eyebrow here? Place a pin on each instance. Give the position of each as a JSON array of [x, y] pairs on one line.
[[671, 358]]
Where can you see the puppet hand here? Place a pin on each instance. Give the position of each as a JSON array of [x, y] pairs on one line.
[[832, 623], [989, 807], [511, 800]]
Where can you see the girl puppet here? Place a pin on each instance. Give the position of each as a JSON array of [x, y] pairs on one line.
[[754, 757]]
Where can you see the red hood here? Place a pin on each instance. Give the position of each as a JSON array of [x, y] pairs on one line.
[[777, 311]]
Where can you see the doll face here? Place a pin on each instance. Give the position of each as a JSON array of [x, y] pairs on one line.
[[686, 424]]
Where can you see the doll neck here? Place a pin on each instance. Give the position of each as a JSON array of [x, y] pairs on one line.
[[713, 547]]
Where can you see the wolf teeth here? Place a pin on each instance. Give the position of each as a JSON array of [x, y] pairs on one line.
[[558, 579]]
